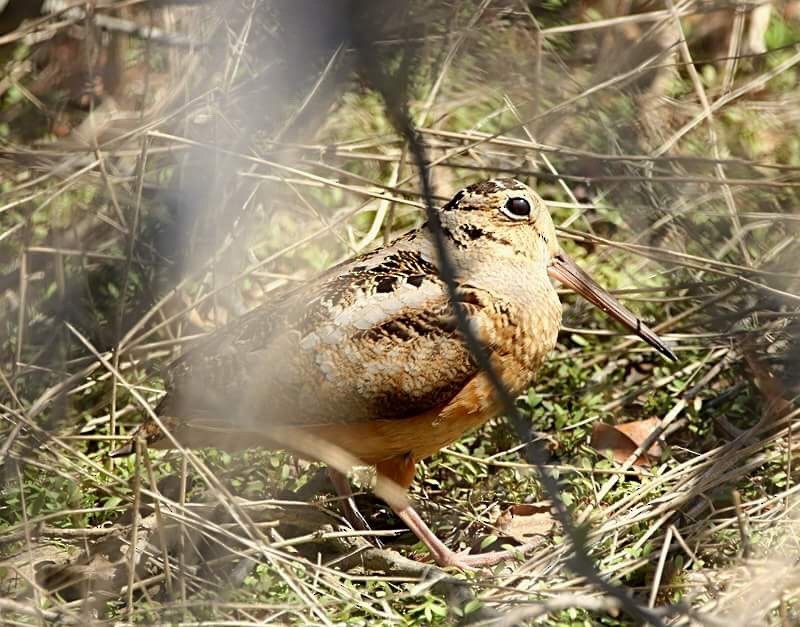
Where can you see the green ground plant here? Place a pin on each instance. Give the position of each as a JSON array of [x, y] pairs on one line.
[[243, 168]]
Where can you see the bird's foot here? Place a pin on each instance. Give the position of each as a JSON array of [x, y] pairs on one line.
[[444, 557], [469, 562]]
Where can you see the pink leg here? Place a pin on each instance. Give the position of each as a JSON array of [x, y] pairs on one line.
[[401, 470], [444, 556], [351, 512]]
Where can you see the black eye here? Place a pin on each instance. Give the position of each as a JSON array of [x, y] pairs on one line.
[[517, 208]]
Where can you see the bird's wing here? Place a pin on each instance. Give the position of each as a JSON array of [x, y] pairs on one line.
[[377, 339]]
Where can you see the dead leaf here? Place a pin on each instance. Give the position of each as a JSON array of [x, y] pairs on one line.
[[768, 384], [622, 440], [525, 523]]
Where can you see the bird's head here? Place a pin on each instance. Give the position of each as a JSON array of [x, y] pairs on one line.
[[504, 218]]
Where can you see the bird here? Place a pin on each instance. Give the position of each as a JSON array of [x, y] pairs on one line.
[[369, 357]]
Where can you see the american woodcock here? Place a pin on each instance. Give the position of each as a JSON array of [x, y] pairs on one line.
[[368, 356]]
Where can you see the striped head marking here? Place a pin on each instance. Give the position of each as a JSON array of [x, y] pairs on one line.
[[503, 219], [500, 214]]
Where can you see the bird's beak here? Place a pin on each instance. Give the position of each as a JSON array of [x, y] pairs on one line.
[[129, 448], [565, 270]]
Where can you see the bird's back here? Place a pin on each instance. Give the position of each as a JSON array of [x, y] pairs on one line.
[[371, 351], [374, 339]]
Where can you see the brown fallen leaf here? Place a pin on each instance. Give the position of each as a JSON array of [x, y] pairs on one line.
[[622, 440], [525, 523], [768, 384]]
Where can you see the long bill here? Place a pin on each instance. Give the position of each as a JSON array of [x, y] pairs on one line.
[[565, 270]]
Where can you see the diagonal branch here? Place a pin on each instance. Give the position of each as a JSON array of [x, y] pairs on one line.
[[396, 102]]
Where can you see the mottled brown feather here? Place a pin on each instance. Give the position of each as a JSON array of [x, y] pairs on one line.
[[368, 356]]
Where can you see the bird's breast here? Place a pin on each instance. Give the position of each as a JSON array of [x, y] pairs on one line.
[[523, 332]]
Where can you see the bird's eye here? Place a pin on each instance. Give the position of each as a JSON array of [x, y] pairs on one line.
[[517, 208]]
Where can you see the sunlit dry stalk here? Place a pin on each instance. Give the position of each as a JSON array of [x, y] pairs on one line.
[[651, 511]]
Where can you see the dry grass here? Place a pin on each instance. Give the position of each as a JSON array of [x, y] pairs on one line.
[[192, 183]]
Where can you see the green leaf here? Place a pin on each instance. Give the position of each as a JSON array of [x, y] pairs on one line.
[[579, 339], [112, 501], [438, 609], [533, 399]]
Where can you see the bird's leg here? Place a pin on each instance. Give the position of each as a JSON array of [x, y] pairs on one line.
[[351, 512], [444, 556], [401, 470]]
